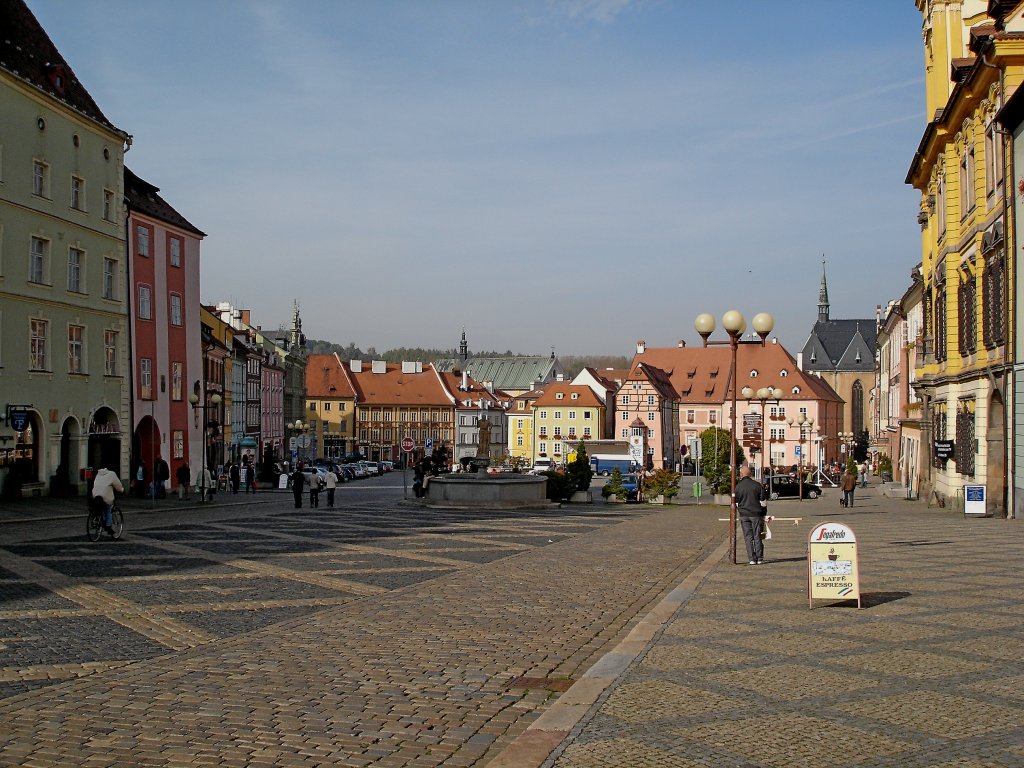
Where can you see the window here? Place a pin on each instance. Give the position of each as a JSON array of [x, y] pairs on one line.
[[575, 395], [175, 309], [110, 279], [965, 445], [558, 414], [993, 160], [624, 399], [586, 431], [572, 415], [312, 407], [519, 423], [558, 449], [939, 309], [75, 359], [174, 247], [559, 395], [37, 260], [40, 178], [783, 373], [146, 378], [543, 414], [542, 447], [993, 300], [145, 302], [967, 180], [650, 416], [110, 353], [586, 415], [558, 431], [650, 432], [519, 441], [108, 205], [177, 444], [176, 377], [142, 236], [78, 193], [625, 432], [691, 416], [967, 305], [650, 400], [753, 374], [712, 417], [76, 260], [327, 407], [38, 334]]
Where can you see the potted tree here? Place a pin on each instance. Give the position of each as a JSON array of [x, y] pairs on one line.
[[614, 490], [714, 463], [580, 474]]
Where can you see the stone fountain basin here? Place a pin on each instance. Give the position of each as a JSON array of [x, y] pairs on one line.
[[481, 490]]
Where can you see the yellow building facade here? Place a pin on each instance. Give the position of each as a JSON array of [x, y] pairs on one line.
[[971, 66]]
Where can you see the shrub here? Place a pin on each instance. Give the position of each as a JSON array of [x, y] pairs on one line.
[[663, 482], [579, 470], [614, 485], [560, 486], [714, 463]]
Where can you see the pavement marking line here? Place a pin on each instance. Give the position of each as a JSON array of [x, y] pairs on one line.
[[151, 624], [403, 555], [58, 671], [542, 737], [266, 569]]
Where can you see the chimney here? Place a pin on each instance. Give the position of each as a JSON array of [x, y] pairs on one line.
[[800, 360], [245, 316], [641, 347], [465, 381], [682, 343], [378, 366], [356, 366]]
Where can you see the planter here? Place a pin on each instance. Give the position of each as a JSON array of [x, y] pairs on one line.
[[582, 497], [613, 499], [723, 499]]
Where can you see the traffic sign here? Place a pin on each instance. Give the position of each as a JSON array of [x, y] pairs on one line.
[[428, 444], [796, 450], [408, 444]]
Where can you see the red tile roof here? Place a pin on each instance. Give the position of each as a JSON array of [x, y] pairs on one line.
[[475, 393], [396, 388], [587, 396], [326, 378]]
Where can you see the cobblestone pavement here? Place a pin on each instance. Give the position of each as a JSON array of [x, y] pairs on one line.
[[928, 673], [376, 633]]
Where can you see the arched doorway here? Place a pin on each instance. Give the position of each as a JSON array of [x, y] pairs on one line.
[[105, 440], [995, 466], [65, 476], [28, 450]]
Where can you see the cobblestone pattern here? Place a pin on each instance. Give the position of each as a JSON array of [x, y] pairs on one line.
[[928, 673], [421, 675]]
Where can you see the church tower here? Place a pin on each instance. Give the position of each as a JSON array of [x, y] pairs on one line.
[[464, 348], [823, 296]]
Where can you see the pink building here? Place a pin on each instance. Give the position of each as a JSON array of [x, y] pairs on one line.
[[166, 355], [647, 395]]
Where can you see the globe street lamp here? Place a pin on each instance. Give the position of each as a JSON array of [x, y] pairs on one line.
[[764, 395], [215, 401], [301, 438], [734, 324], [848, 442]]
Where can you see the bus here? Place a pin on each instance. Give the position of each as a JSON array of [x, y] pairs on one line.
[[605, 463]]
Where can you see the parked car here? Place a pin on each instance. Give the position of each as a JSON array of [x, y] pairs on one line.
[[629, 483], [358, 470], [788, 487]]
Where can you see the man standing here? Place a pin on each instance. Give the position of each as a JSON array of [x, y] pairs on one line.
[[331, 482], [752, 506], [184, 477], [314, 488], [864, 469], [235, 476], [161, 474], [298, 481], [849, 485]]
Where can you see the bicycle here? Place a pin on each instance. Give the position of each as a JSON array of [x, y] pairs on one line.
[[94, 523]]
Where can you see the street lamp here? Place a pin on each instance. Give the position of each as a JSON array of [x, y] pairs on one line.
[[764, 395], [801, 421], [847, 439], [215, 400], [300, 438], [734, 324]]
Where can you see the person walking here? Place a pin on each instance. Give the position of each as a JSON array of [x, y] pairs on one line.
[[298, 482], [204, 484], [864, 469], [235, 476], [249, 470], [184, 478], [103, 488], [314, 488], [849, 485], [161, 474], [331, 482], [752, 507]]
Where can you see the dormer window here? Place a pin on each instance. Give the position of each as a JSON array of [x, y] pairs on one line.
[[58, 76], [558, 396], [783, 373], [814, 358], [795, 390], [575, 395], [753, 374]]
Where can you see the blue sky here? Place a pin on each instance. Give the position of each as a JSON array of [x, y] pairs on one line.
[[575, 173]]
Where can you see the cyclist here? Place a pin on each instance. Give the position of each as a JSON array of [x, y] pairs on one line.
[[103, 488]]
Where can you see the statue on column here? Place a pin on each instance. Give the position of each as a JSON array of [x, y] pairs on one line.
[[484, 425]]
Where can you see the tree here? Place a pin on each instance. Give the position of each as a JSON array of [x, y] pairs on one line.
[[714, 462], [614, 486], [579, 470]]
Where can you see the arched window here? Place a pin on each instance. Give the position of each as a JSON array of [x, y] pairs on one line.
[[857, 408]]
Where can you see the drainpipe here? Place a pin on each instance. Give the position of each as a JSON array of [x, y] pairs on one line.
[[130, 341]]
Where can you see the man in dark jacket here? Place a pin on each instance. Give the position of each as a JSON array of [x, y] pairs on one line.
[[752, 506], [298, 481]]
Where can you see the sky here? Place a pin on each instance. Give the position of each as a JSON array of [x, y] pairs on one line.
[[576, 174]]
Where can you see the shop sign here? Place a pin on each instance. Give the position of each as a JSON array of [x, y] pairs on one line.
[[832, 572], [974, 501], [19, 420], [944, 449]]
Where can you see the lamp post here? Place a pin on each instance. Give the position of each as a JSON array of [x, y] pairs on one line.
[[734, 324], [847, 439], [214, 403], [801, 422], [301, 438], [764, 395]]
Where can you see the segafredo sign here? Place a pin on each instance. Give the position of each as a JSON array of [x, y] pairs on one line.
[[832, 572]]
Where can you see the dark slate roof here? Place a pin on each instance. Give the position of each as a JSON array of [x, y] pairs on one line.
[[142, 197], [27, 52], [508, 373], [835, 345]]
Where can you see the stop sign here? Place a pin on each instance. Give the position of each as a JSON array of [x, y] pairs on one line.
[[408, 444]]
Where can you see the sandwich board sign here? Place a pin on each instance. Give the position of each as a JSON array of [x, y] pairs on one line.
[[832, 572], [974, 501]]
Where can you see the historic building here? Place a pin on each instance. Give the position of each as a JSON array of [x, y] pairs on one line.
[[974, 58], [480, 418], [842, 352], [564, 414], [520, 426], [163, 263], [331, 405], [64, 357], [647, 395], [514, 375], [212, 391]]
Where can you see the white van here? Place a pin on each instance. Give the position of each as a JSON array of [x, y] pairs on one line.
[[542, 465]]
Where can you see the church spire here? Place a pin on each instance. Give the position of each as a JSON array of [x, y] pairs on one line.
[[823, 295], [463, 346]]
